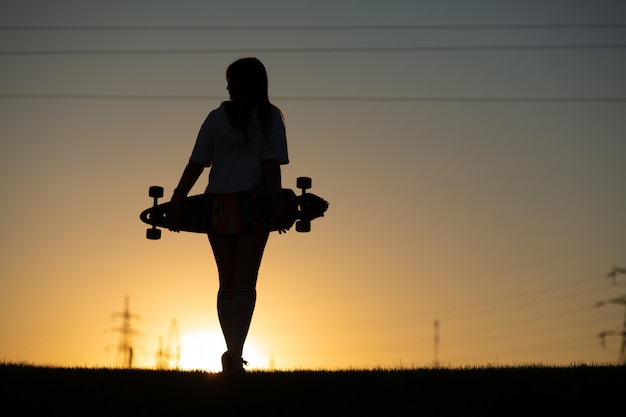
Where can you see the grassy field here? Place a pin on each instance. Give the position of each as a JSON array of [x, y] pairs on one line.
[[501, 391]]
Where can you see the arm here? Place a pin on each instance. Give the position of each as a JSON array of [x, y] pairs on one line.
[[189, 177], [270, 169]]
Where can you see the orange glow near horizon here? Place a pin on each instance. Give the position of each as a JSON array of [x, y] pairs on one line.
[[201, 350]]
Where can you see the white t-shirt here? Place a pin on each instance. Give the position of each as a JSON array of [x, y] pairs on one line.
[[236, 164]]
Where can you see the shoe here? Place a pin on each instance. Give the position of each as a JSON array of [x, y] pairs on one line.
[[232, 366]]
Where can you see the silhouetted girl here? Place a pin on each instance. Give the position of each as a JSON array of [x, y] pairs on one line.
[[244, 143]]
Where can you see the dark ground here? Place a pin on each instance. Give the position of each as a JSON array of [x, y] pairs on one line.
[[543, 391]]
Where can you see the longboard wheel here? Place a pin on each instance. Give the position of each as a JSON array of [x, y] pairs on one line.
[[303, 226], [303, 183], [155, 191], [153, 234]]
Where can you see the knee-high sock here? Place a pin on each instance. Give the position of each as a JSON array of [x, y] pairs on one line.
[[225, 314], [243, 307]]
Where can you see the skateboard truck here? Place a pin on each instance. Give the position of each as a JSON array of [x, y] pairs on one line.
[[155, 192], [303, 183]]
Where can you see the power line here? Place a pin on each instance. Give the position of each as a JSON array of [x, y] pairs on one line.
[[513, 329], [514, 301], [541, 324], [365, 99], [315, 50], [301, 28], [467, 99]]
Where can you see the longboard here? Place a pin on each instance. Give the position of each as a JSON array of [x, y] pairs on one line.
[[198, 209]]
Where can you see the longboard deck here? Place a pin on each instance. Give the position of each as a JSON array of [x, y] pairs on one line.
[[198, 209], [196, 216]]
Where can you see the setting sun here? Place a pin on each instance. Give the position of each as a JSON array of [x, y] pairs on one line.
[[202, 350]]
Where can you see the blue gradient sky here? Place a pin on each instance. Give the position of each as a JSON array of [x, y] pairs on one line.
[[483, 188]]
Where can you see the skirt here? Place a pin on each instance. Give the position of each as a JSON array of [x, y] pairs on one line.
[[243, 212]]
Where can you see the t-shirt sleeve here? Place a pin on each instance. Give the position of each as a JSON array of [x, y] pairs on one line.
[[276, 145], [203, 149]]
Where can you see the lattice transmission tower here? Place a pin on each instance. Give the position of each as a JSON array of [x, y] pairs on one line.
[[621, 359], [125, 346], [168, 356], [436, 344]]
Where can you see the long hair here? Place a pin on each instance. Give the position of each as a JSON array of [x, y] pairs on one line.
[[248, 87]]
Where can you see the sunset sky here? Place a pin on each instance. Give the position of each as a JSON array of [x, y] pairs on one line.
[[473, 154]]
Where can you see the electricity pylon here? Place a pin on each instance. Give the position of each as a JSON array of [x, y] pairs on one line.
[[166, 355], [436, 343], [615, 271], [125, 347], [621, 359]]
